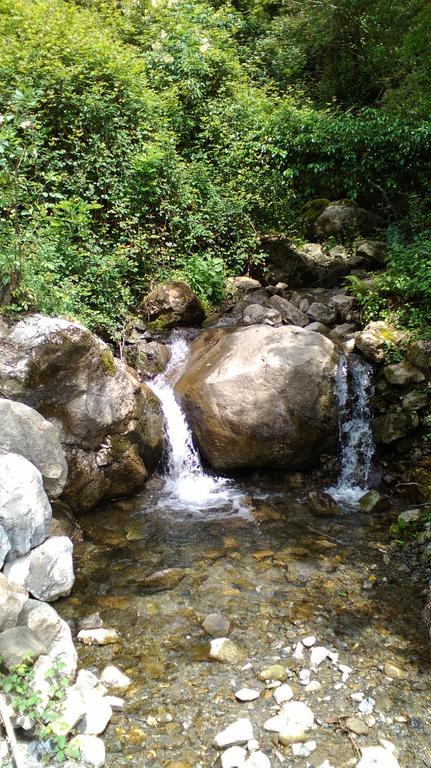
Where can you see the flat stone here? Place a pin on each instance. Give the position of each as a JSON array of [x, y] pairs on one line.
[[92, 621], [274, 672], [114, 678], [377, 757], [234, 757], [216, 625], [166, 579], [356, 725], [247, 694], [239, 732], [225, 651], [309, 641], [91, 749], [100, 636]]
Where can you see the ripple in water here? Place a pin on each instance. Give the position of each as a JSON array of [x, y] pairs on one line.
[[187, 487]]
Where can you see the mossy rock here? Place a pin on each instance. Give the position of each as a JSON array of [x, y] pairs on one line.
[[312, 209]]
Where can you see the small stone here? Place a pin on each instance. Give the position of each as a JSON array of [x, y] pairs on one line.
[[309, 641], [239, 732], [410, 515], [345, 671], [366, 706], [216, 625], [298, 652], [257, 760], [292, 723], [165, 579], [304, 677], [317, 655], [100, 636], [114, 678], [313, 687], [115, 703], [356, 725], [274, 672], [394, 672], [93, 621], [253, 745], [377, 757], [283, 693], [247, 694], [369, 501], [274, 724], [234, 757], [91, 750], [304, 750], [225, 651]]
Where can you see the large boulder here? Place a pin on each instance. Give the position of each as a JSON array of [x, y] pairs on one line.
[[25, 512], [100, 410], [26, 432], [47, 571], [375, 338], [12, 600], [261, 396], [53, 632], [172, 304], [344, 219]]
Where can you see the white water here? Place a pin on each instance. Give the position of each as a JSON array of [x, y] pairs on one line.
[[186, 485], [354, 389]]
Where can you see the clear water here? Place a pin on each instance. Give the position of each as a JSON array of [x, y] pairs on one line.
[[354, 389], [187, 486]]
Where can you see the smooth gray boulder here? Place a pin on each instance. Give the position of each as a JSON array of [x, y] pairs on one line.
[[255, 314], [261, 396], [55, 634], [47, 571], [26, 432], [345, 218], [110, 426], [12, 600], [20, 644], [25, 512]]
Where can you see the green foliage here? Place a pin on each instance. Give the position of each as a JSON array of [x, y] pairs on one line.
[[404, 531], [18, 685]]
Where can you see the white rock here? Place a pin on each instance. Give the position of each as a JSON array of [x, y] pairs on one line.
[[304, 676], [253, 745], [71, 711], [318, 654], [91, 748], [298, 712], [357, 696], [234, 757], [115, 703], [247, 694], [25, 512], [345, 671], [377, 757], [98, 713], [257, 760], [309, 641], [44, 620], [304, 750], [275, 724], [298, 652], [366, 706], [47, 571], [292, 722], [313, 687], [86, 680], [99, 636], [283, 693], [239, 732], [4, 545], [114, 678]]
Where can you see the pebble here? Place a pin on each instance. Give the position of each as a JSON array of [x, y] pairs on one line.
[[274, 672], [257, 760], [253, 745], [216, 625], [304, 677], [346, 672], [377, 757], [356, 725], [304, 750], [93, 621], [366, 706], [98, 636], [247, 694], [282, 694], [239, 732], [317, 655], [234, 757], [313, 687], [298, 652], [309, 641], [114, 678], [225, 651], [394, 672]]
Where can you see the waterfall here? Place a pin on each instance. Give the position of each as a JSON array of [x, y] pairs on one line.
[[354, 389], [186, 484]]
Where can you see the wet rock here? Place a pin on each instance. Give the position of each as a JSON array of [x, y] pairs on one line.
[[47, 571], [12, 600], [216, 625], [419, 353], [415, 400], [166, 579], [18, 644], [150, 358], [255, 314], [234, 757], [290, 314], [114, 678], [93, 621], [292, 722], [373, 340], [322, 503], [403, 373], [27, 433], [172, 304], [369, 501], [101, 636], [268, 366], [258, 760], [91, 750], [394, 672], [274, 672], [377, 757], [239, 732], [394, 425], [247, 694], [225, 651], [282, 694], [322, 313], [25, 512], [357, 726], [318, 654]]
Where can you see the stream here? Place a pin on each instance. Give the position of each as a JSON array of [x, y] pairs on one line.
[[255, 551]]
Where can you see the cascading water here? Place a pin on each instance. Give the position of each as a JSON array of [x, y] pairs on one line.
[[186, 485], [354, 389]]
